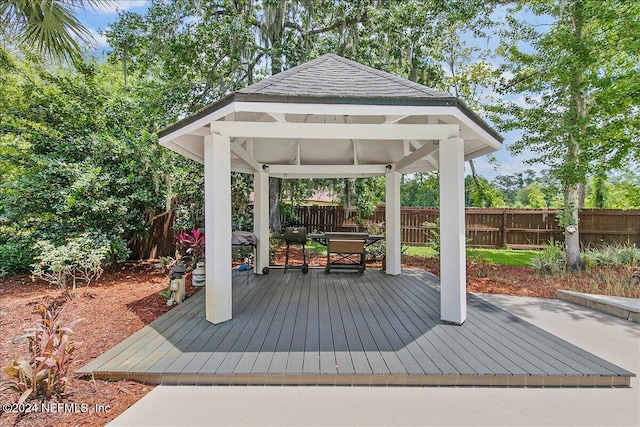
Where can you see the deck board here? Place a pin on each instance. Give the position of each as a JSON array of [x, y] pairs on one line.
[[344, 360], [347, 328]]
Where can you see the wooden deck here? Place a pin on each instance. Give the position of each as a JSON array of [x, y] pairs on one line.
[[345, 328]]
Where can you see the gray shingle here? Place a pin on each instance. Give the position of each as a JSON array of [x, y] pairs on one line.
[[334, 79], [333, 76]]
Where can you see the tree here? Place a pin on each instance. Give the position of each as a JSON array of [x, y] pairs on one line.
[[576, 82], [509, 185], [78, 155], [531, 197], [226, 45], [420, 189], [620, 190], [483, 196], [48, 25]]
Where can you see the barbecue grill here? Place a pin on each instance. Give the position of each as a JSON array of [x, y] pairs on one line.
[[296, 236]]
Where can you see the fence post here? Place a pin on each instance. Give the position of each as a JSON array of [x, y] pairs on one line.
[[503, 229]]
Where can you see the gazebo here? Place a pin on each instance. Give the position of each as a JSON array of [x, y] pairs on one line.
[[334, 118]]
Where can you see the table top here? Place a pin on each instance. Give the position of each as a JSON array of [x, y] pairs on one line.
[[322, 238]]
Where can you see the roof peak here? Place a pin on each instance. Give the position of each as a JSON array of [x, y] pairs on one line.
[[331, 75]]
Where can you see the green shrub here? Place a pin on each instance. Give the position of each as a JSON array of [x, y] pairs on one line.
[[433, 236], [45, 372], [613, 255], [15, 257], [550, 261], [378, 249], [80, 260], [118, 250], [274, 242]]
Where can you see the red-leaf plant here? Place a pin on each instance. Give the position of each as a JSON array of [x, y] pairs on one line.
[[191, 244], [50, 351]]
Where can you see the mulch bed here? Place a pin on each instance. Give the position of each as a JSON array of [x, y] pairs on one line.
[[112, 308]]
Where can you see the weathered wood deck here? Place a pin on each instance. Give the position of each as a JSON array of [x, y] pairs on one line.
[[344, 328]]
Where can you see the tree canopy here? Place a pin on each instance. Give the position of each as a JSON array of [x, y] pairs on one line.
[[578, 81], [78, 145]]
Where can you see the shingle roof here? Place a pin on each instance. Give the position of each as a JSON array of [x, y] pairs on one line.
[[332, 79], [333, 76]]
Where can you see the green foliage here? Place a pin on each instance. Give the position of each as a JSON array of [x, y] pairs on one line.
[[368, 193], [164, 264], [44, 374], [274, 242], [226, 45], [531, 197], [420, 189], [378, 249], [613, 255], [551, 261], [606, 280], [520, 258], [78, 155], [80, 260], [48, 25], [15, 257], [481, 193], [624, 190], [289, 215], [363, 193], [614, 190], [422, 251], [316, 248], [433, 236], [574, 81]]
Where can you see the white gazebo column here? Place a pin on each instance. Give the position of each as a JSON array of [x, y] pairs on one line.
[[261, 219], [217, 216], [453, 273], [392, 222]]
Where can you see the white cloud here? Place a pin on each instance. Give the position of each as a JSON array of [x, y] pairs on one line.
[[122, 5], [100, 39]]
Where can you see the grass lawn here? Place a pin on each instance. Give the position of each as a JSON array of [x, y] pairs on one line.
[[314, 247], [509, 257]]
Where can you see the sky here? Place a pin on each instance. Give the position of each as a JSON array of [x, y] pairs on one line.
[[98, 20]]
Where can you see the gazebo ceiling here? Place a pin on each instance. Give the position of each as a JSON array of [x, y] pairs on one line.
[[332, 117]]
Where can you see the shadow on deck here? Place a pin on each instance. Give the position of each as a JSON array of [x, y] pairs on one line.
[[348, 329]]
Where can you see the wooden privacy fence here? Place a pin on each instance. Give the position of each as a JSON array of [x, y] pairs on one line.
[[487, 228], [160, 240]]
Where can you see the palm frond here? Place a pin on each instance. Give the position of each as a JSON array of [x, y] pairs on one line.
[[50, 26]]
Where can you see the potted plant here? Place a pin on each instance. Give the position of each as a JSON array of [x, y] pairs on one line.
[[191, 247]]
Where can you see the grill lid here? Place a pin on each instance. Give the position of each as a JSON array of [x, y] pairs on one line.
[[295, 235]]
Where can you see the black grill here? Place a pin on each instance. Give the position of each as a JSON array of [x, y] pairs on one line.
[[296, 236]]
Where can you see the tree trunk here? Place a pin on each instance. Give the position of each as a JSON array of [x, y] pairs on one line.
[[483, 199], [347, 197], [581, 194], [572, 202], [600, 192], [571, 233], [275, 185]]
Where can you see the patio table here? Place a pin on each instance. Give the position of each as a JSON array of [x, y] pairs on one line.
[[350, 248]]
